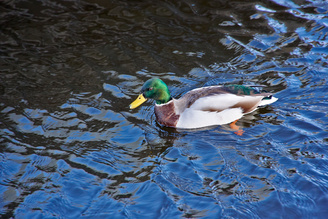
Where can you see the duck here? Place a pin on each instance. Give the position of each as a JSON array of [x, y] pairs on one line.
[[202, 107]]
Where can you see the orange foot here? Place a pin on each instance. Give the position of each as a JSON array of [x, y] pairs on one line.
[[236, 127], [239, 132]]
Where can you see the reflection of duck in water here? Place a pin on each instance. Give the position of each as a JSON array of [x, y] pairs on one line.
[[201, 107]]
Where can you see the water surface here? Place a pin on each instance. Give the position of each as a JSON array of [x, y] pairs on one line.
[[71, 147]]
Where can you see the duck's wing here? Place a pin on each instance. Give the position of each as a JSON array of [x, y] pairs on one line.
[[218, 98], [217, 105]]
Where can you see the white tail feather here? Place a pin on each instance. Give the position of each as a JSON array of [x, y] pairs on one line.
[[268, 101]]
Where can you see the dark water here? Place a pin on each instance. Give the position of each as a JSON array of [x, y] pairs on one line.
[[71, 148]]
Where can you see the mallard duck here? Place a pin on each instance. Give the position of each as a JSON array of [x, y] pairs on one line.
[[201, 107]]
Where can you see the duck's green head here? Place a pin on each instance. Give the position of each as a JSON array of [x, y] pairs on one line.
[[152, 89]]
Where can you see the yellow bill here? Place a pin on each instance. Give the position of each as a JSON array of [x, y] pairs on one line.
[[141, 99]]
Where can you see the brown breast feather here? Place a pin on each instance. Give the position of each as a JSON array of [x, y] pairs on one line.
[[165, 114]]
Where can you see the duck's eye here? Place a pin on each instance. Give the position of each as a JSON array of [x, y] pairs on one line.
[[150, 88]]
